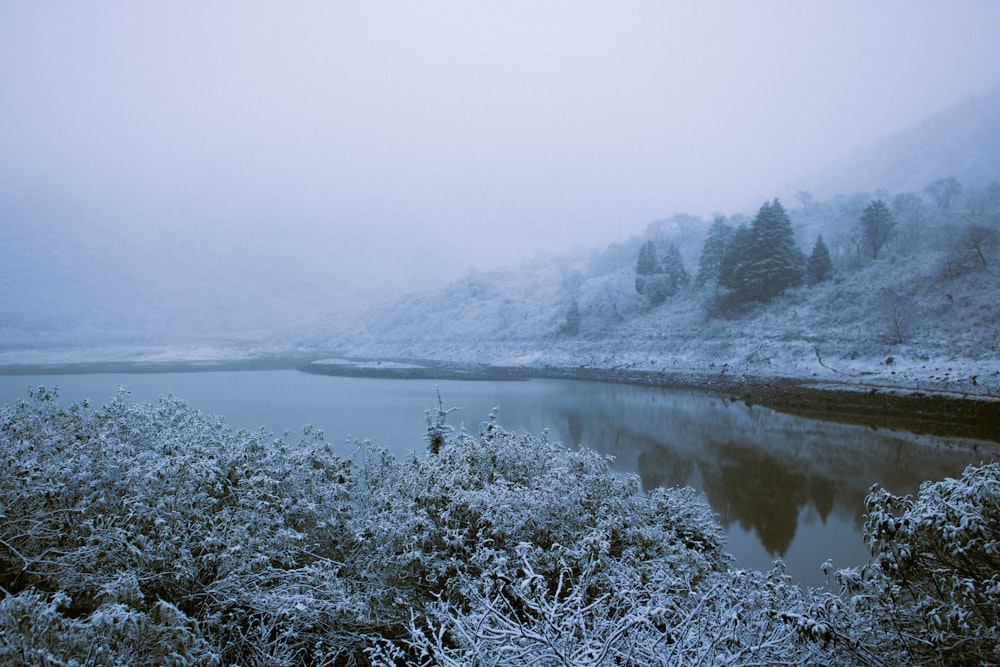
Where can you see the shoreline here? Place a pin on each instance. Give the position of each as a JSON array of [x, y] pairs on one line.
[[943, 414], [932, 412]]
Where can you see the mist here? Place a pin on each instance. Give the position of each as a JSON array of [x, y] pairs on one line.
[[238, 165]]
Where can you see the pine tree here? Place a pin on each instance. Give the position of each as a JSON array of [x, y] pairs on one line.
[[714, 251], [645, 266], [773, 262], [820, 267], [672, 267], [658, 281], [734, 258], [877, 224]]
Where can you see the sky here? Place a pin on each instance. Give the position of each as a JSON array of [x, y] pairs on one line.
[[488, 130]]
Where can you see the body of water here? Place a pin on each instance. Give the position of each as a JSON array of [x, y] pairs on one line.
[[782, 486]]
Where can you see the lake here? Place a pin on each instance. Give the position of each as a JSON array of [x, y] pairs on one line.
[[782, 486]]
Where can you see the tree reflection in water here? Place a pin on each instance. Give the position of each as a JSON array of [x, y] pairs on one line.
[[769, 474]]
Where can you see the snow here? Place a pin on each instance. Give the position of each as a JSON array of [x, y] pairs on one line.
[[899, 324], [361, 365], [142, 354]]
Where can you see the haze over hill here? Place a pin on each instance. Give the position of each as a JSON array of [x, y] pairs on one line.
[[243, 174], [97, 283], [914, 307], [960, 142]]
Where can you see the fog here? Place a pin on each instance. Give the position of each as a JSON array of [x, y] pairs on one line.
[[340, 149]]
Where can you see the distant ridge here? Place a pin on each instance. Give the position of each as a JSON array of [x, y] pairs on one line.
[[963, 142]]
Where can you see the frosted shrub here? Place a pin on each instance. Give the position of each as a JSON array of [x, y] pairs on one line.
[[33, 632], [940, 554], [931, 593], [516, 617], [523, 553], [133, 508], [432, 524]]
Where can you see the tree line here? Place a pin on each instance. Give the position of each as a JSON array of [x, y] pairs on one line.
[[755, 262]]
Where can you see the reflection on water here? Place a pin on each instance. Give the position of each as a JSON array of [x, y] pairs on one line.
[[782, 486]]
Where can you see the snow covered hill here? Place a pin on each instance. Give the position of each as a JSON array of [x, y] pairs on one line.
[[925, 315]]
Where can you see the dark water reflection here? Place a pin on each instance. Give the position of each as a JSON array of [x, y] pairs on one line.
[[782, 486]]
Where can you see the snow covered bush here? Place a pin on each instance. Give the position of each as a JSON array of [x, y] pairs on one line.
[[154, 535], [35, 631], [431, 526], [931, 594], [138, 509], [940, 554], [516, 617]]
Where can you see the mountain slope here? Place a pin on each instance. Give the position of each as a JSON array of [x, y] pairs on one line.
[[961, 142]]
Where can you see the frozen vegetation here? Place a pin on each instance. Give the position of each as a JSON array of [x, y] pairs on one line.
[[155, 535], [889, 289]]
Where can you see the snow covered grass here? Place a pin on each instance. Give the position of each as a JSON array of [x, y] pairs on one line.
[[346, 363], [154, 535]]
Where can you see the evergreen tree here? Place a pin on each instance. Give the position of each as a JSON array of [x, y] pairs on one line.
[[673, 267], [877, 224], [645, 266], [773, 262], [658, 281], [734, 258], [714, 251], [819, 268], [671, 277]]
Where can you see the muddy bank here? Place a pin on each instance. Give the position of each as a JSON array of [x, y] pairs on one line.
[[938, 414]]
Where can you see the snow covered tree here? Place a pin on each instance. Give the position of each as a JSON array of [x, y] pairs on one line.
[[673, 268], [944, 192], [931, 593], [772, 263], [645, 266], [908, 208], [820, 267], [877, 224], [734, 258], [658, 281], [714, 251], [806, 199], [982, 205]]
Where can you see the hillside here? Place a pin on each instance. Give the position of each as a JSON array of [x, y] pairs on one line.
[[922, 316], [960, 142], [77, 285], [919, 313]]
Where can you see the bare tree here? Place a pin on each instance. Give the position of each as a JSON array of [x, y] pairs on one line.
[[944, 191]]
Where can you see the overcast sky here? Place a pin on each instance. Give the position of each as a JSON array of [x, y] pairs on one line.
[[505, 126]]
